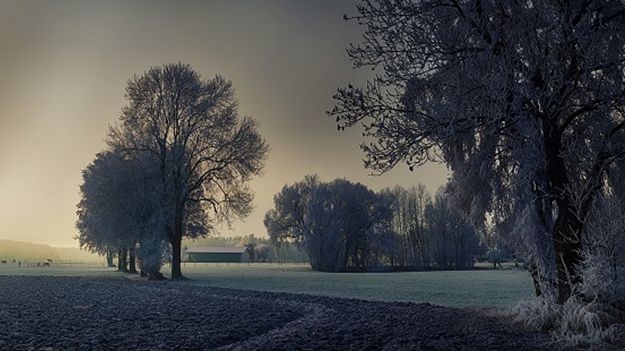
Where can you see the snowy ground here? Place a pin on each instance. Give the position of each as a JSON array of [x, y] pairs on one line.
[[65, 313]]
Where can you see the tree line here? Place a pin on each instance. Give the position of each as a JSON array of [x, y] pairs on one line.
[[177, 163], [344, 226]]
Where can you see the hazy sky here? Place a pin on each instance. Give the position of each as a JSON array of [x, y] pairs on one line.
[[64, 66]]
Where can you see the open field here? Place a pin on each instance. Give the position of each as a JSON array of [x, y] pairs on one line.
[[482, 288], [109, 312], [61, 270], [448, 288]]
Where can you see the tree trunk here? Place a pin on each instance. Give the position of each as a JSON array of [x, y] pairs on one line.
[[566, 233], [109, 258], [132, 268], [142, 271], [567, 246], [124, 260], [176, 246], [120, 261], [154, 274], [533, 269]]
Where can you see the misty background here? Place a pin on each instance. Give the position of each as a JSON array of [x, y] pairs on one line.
[[64, 66]]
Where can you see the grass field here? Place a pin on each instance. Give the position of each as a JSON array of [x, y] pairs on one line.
[[481, 288], [449, 288]]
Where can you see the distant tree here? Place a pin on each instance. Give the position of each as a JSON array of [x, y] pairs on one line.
[[109, 258], [204, 152], [250, 248], [455, 242], [250, 242], [522, 99], [409, 223], [263, 253], [288, 221], [335, 222], [497, 255]]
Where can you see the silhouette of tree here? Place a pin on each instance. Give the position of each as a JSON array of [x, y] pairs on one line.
[[204, 152], [117, 209], [338, 223]]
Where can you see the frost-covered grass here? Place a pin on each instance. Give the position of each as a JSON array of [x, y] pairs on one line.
[[481, 288], [60, 270], [574, 324]]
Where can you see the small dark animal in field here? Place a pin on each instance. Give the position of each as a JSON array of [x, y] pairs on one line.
[[4, 262], [38, 264], [49, 260], [13, 261], [46, 264]]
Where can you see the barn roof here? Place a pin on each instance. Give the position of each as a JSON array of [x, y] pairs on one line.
[[215, 249]]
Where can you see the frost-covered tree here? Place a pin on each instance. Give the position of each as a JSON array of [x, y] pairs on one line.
[[99, 224], [338, 223], [454, 242], [604, 250], [263, 253], [117, 207], [522, 99], [204, 152], [411, 244], [120, 210]]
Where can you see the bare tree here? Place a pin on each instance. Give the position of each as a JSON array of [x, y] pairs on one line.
[[408, 222], [522, 99], [205, 152], [454, 241]]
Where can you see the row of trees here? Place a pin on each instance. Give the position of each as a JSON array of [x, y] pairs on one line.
[[429, 231], [178, 162], [345, 226]]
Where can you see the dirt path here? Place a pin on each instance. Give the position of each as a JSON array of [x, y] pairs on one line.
[[65, 313]]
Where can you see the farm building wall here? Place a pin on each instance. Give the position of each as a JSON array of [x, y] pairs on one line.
[[225, 257]]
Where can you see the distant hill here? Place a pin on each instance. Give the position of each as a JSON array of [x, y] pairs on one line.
[[30, 252], [76, 255]]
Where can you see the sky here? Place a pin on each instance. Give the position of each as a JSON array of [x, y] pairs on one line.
[[64, 66]]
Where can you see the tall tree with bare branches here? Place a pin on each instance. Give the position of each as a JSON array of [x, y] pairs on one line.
[[205, 152]]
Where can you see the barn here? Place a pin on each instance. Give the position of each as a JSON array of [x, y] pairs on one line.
[[217, 254]]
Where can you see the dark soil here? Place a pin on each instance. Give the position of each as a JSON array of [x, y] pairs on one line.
[[69, 313]]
